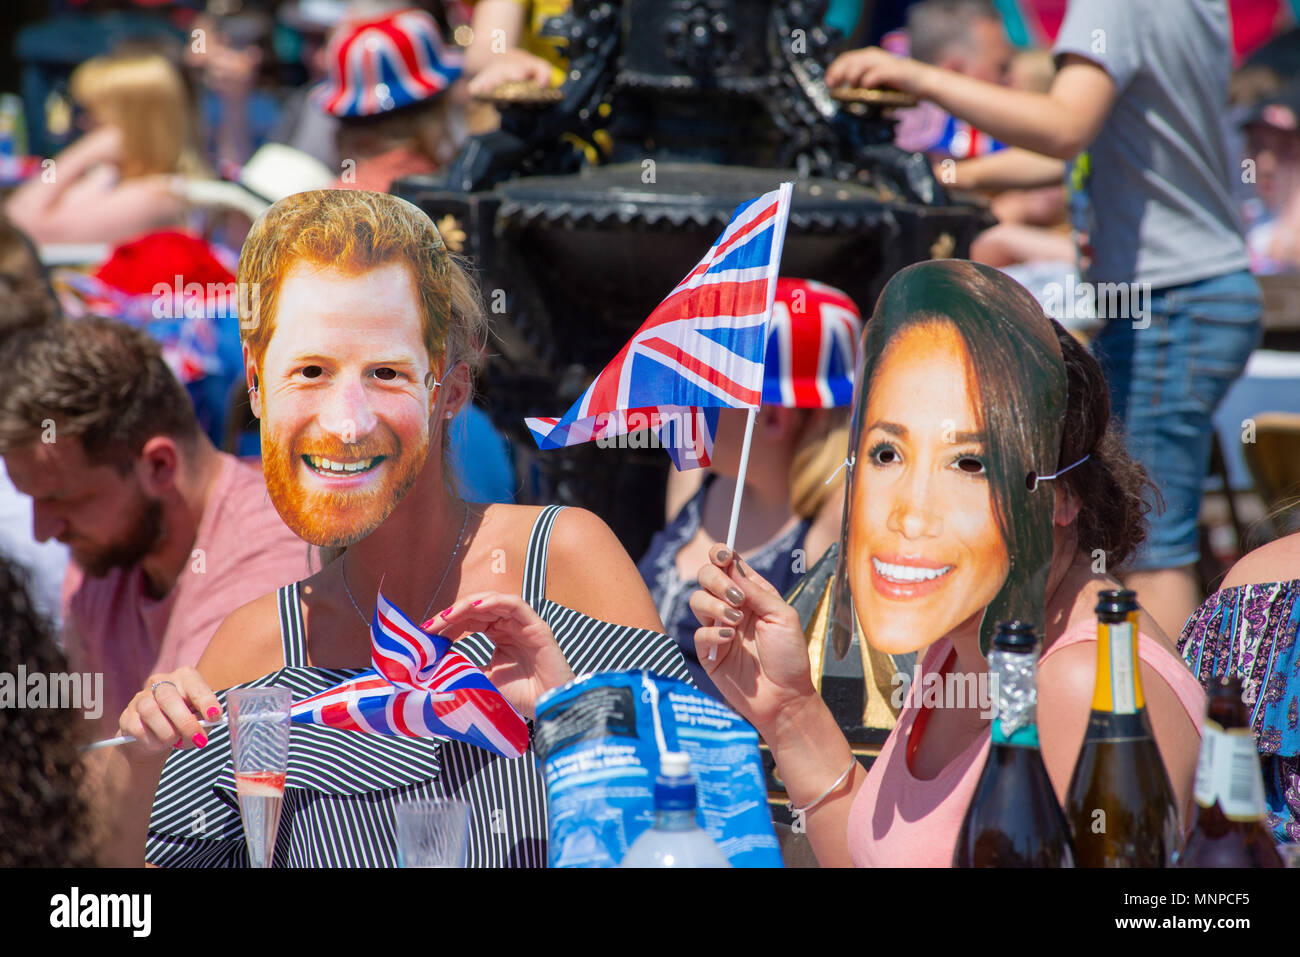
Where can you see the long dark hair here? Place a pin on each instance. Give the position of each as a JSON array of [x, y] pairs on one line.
[[1020, 382]]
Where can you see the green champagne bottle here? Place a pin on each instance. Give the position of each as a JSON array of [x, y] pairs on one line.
[[1014, 819], [1120, 806]]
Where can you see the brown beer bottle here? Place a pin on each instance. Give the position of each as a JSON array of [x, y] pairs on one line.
[[1229, 829], [1120, 806], [1014, 819]]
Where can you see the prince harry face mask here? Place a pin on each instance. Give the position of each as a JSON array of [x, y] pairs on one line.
[[342, 380]]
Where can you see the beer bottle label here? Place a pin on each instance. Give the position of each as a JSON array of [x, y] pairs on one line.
[[1228, 772]]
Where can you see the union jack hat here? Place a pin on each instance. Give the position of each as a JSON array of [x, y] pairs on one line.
[[384, 63], [811, 346]]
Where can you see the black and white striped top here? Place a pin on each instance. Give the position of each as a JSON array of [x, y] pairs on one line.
[[342, 785]]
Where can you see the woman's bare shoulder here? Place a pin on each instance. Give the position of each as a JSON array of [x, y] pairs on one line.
[[587, 567], [589, 570], [507, 526], [573, 527], [1083, 610], [521, 517], [1275, 562]]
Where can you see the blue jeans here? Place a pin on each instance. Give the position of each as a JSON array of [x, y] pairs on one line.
[[1168, 371]]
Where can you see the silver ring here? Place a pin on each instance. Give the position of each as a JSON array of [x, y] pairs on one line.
[[153, 688]]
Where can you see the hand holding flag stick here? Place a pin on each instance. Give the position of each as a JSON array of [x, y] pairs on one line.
[[168, 714], [778, 243]]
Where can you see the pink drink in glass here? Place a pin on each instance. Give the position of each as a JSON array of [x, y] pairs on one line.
[[261, 795]]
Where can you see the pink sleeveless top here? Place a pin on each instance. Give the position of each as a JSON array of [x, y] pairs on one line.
[[898, 820]]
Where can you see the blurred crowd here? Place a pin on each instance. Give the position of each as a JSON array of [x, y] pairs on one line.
[[131, 177]]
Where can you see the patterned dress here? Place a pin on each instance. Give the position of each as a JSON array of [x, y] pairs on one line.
[[1250, 631], [342, 786]]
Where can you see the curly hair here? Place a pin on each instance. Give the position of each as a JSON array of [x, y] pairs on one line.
[[44, 820], [1111, 487]]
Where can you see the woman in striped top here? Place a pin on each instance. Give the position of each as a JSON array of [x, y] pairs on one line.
[[342, 785], [358, 358]]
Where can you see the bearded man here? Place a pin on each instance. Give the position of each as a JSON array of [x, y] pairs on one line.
[[168, 535]]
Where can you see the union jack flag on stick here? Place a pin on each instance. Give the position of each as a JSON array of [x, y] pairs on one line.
[[700, 350], [420, 686]]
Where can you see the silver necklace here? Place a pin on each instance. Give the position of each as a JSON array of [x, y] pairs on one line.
[[446, 571]]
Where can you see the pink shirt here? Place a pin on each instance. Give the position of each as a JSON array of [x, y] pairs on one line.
[[898, 820], [242, 550]]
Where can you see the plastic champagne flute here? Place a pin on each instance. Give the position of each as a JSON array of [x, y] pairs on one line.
[[432, 833], [259, 741]]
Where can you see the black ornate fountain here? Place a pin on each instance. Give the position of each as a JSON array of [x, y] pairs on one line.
[[693, 107]]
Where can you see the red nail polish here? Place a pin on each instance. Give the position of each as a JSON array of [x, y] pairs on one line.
[[200, 739], [475, 604], [177, 744], [448, 611], [214, 714]]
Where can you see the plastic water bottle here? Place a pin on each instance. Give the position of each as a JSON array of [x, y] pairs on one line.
[[675, 840]]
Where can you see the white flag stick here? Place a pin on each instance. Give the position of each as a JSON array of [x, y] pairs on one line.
[[778, 244], [126, 738], [740, 490], [740, 479]]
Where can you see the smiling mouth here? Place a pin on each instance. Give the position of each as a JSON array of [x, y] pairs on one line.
[[908, 574], [323, 466]]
